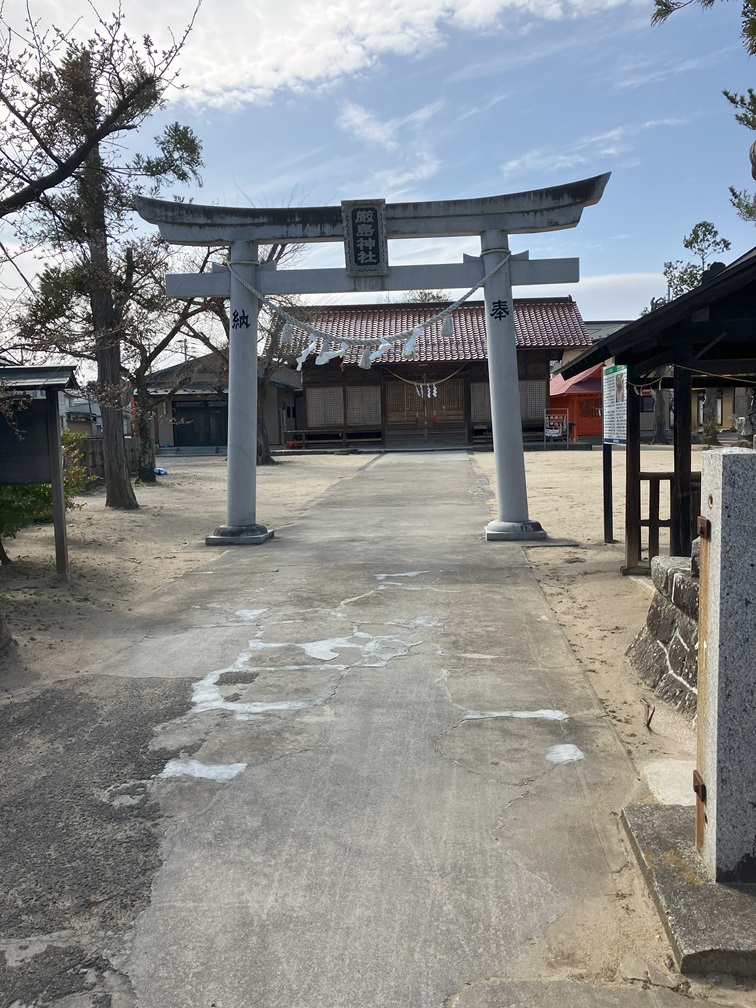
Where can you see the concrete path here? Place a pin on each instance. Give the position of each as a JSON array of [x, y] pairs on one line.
[[379, 778]]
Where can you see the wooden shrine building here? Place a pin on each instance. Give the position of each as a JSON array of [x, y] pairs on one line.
[[440, 398]]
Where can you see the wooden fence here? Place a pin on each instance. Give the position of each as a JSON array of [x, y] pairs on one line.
[[92, 457]]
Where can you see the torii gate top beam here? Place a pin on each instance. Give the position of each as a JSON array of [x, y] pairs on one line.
[[515, 213]]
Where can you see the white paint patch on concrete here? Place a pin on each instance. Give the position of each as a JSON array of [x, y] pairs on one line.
[[474, 654], [671, 781], [371, 652], [207, 696], [546, 715], [328, 649], [382, 648], [220, 772], [249, 615], [241, 617], [564, 753], [405, 574]]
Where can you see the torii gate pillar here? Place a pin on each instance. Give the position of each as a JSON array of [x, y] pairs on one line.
[[242, 528], [511, 492]]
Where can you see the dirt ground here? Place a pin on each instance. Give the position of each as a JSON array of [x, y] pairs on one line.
[[120, 558]]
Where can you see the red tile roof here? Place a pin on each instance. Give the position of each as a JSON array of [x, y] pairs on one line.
[[587, 382], [548, 323]]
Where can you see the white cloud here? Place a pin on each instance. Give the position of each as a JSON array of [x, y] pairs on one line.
[[363, 125], [407, 141], [394, 181], [242, 53], [642, 73], [611, 143]]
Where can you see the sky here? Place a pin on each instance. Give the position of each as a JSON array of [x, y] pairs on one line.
[[310, 102]]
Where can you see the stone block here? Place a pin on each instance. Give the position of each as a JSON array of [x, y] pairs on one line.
[[665, 652], [662, 570], [678, 694], [711, 927], [685, 594], [682, 656], [648, 658], [661, 619]]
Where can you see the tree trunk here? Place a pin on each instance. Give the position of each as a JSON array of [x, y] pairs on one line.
[[143, 419], [710, 426], [660, 419], [118, 490], [4, 558], [264, 455]]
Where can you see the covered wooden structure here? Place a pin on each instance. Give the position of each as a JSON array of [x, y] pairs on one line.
[[580, 397], [705, 338], [441, 397], [30, 445]]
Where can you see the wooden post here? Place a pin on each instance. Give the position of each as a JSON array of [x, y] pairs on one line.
[[653, 516], [632, 483], [56, 480], [681, 538], [608, 503]]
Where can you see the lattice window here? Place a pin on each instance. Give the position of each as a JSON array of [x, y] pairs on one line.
[[532, 401], [402, 402], [363, 405], [325, 407], [450, 402], [480, 402]]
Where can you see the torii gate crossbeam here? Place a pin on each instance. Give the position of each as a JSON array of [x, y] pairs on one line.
[[364, 227]]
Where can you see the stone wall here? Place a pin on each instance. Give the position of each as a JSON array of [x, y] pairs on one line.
[[665, 652]]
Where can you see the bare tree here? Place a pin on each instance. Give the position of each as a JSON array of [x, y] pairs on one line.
[[66, 102], [47, 134], [55, 321]]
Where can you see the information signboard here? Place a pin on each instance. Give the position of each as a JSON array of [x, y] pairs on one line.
[[614, 408], [556, 426], [24, 446]]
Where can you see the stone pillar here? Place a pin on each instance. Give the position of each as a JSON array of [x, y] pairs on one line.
[[726, 790], [242, 528], [511, 492]]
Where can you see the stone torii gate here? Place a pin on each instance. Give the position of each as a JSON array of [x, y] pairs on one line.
[[364, 227]]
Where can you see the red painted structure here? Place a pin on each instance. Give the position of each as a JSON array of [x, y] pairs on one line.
[[581, 398]]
